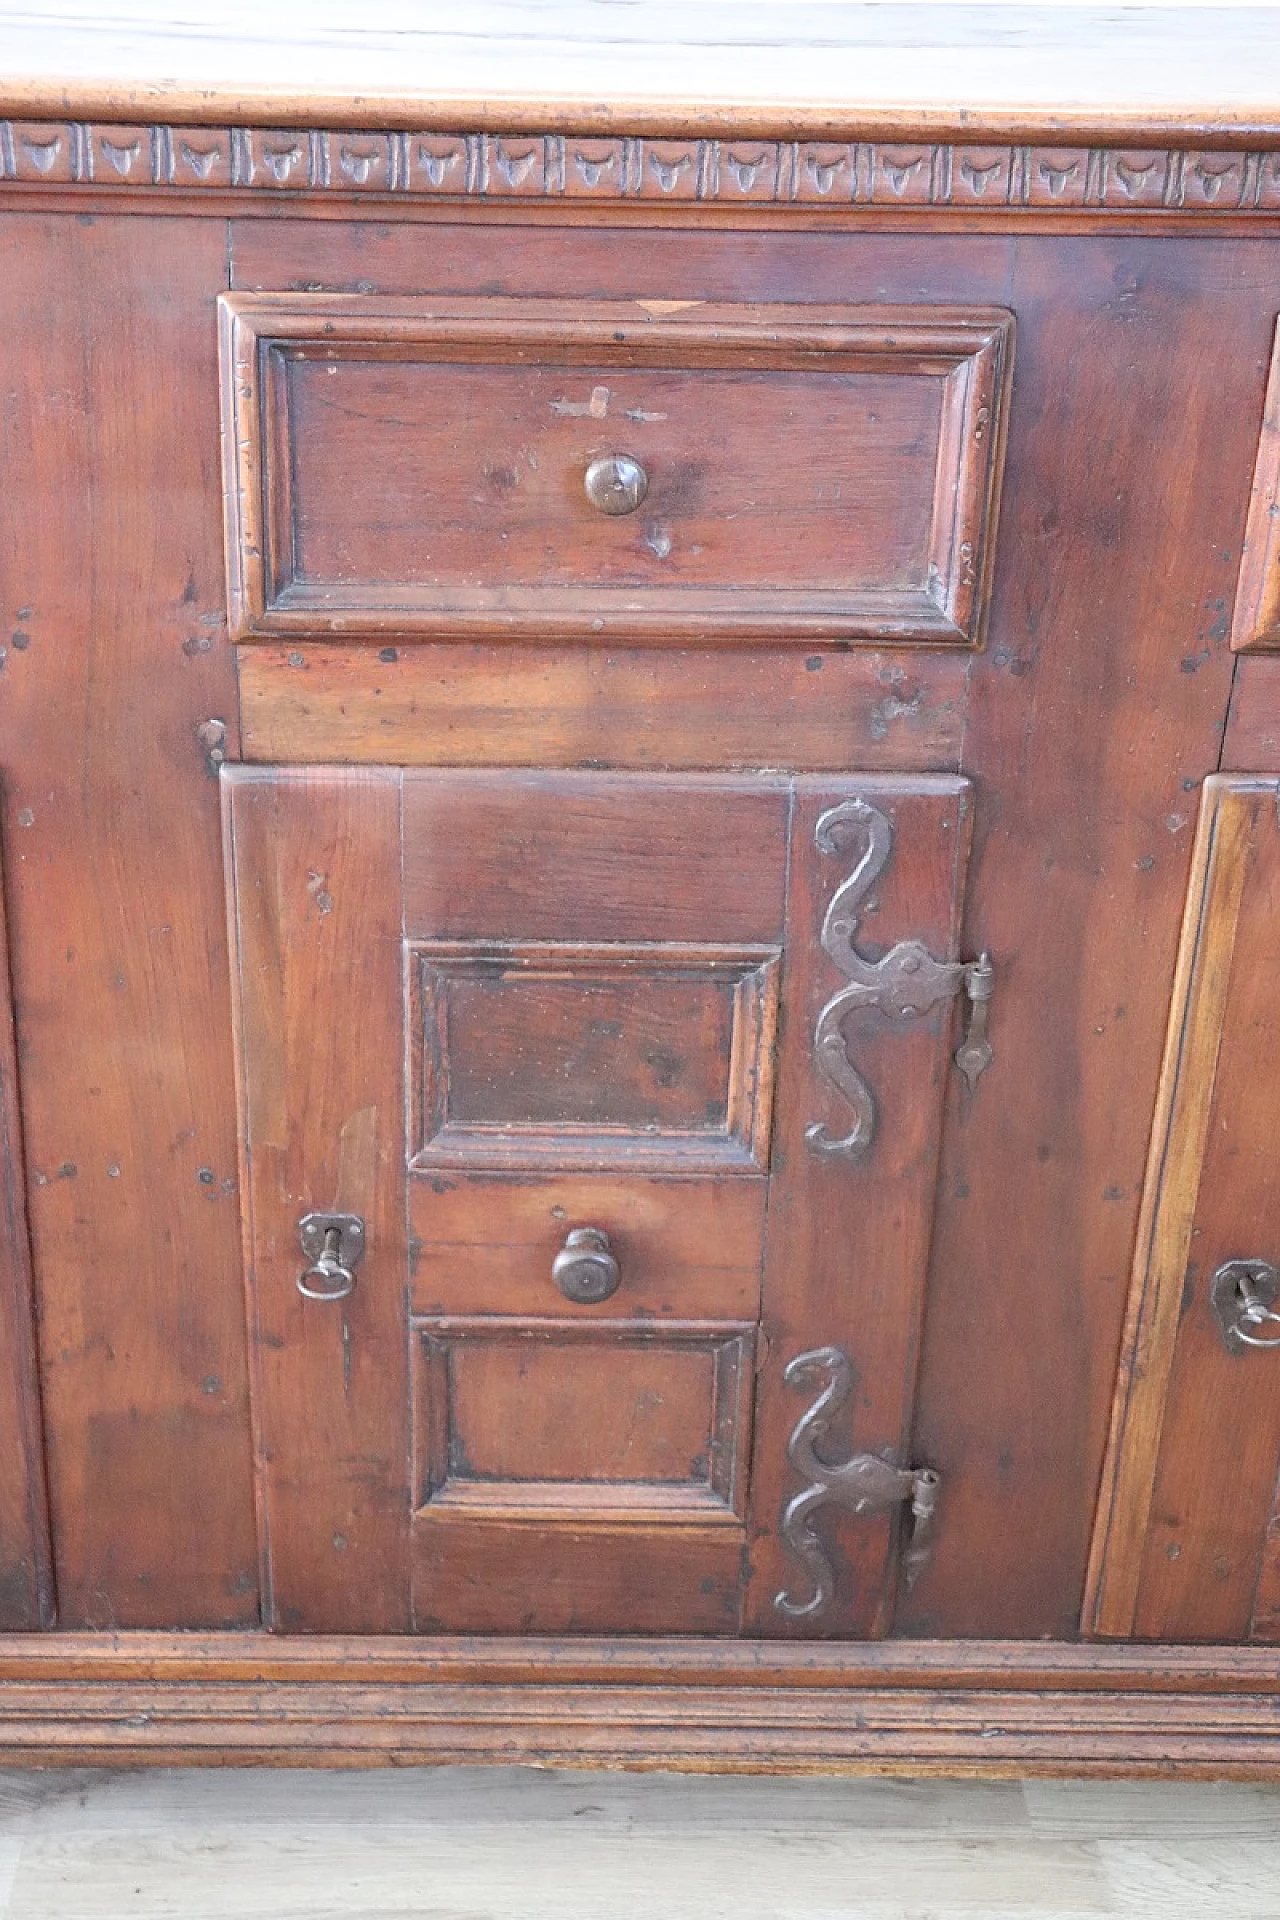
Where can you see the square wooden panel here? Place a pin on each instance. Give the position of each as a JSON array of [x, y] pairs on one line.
[[547, 1054], [403, 466], [607, 1423]]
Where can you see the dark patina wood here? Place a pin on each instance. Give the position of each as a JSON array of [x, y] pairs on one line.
[[693, 1363]]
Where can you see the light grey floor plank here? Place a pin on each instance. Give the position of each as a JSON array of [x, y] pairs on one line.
[[1091, 1809], [522, 1844], [506, 1844]]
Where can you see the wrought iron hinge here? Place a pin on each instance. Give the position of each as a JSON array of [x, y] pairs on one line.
[[865, 1483], [904, 984]]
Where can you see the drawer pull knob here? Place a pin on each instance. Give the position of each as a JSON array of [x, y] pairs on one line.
[[585, 1269], [334, 1244], [1244, 1295], [615, 483]]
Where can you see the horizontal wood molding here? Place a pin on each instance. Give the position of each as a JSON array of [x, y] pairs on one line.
[[526, 164], [960, 1707]]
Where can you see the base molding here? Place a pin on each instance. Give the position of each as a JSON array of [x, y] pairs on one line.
[[971, 1707]]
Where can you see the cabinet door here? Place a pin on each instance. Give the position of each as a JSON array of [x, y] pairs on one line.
[[634, 1084], [1187, 1545]]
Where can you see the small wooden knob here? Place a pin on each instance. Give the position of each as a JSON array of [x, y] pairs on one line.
[[584, 1269], [615, 483]]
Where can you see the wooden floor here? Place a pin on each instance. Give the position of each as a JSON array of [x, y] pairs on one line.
[[516, 1845]]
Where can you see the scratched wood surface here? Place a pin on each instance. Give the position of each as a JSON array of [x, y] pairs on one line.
[[115, 656]]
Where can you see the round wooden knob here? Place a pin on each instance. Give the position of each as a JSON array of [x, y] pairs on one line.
[[615, 483], [584, 1269]]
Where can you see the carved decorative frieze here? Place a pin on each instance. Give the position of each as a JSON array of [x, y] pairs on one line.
[[493, 166]]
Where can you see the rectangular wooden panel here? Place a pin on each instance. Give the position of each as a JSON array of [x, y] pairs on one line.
[[507, 1420], [494, 705], [848, 1232], [545, 856], [1190, 1479], [26, 1558], [116, 659], [419, 467], [687, 1249], [313, 859], [543, 1499], [618, 1055]]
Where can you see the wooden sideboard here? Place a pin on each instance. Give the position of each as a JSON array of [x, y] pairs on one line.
[[640, 1031]]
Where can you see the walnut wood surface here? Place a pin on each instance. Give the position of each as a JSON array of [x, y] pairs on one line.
[[994, 1237], [26, 1560], [115, 656], [976, 1707], [449, 705], [1233, 813], [812, 473]]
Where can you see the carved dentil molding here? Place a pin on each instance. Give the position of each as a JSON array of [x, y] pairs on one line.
[[563, 167]]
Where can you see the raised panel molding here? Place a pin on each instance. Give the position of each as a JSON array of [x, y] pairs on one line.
[[580, 1078], [423, 165]]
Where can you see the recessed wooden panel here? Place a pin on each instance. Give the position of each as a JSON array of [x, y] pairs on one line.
[[686, 1248], [414, 467], [582, 857], [557, 1420], [591, 1056], [572, 1477], [1256, 619]]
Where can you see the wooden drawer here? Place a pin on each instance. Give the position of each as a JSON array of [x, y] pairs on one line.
[[672, 471]]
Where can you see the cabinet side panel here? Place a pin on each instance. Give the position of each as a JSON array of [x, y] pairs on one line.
[[112, 558], [26, 1572]]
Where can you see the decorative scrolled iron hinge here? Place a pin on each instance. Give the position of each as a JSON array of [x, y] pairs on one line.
[[904, 984], [865, 1483]]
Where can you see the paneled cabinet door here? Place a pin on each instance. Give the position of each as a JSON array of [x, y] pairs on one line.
[[591, 1125], [1187, 1545]]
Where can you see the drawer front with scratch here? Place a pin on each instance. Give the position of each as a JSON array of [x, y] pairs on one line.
[[506, 468]]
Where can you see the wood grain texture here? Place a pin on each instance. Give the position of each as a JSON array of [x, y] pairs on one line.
[[1215, 1477], [26, 1558], [416, 467], [116, 656], [1232, 812], [1102, 676], [1252, 740], [314, 884], [847, 1241], [977, 1708], [1255, 621], [456, 705]]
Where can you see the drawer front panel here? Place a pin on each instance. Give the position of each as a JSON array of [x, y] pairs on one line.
[[686, 1248], [799, 473]]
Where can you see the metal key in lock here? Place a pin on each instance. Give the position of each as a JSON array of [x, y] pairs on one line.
[[334, 1244]]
